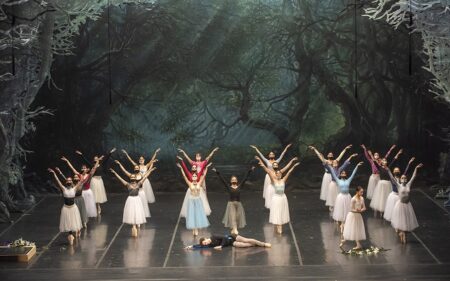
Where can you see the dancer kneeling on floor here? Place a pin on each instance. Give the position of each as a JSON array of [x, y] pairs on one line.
[[218, 242]]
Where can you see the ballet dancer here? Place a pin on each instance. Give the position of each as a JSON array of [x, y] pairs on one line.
[[343, 200], [87, 193], [218, 242], [279, 207], [70, 220], [268, 190], [195, 212], [143, 168], [384, 186], [234, 217], [326, 179], [403, 216], [393, 196], [133, 212], [97, 185], [354, 225], [199, 163]]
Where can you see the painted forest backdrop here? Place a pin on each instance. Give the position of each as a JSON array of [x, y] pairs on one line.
[[91, 75]]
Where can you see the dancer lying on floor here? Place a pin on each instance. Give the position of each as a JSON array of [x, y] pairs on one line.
[[218, 242]]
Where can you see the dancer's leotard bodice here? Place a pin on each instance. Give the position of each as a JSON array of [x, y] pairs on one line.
[[195, 189], [357, 204], [279, 188], [69, 195]]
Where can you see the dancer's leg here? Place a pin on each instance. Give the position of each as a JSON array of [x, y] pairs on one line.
[[251, 241]]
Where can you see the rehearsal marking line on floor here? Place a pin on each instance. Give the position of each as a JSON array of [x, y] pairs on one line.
[[33, 261], [426, 248], [166, 260], [300, 260], [434, 201], [23, 215], [109, 246]]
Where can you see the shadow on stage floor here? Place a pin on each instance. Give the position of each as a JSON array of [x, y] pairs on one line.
[[307, 249]]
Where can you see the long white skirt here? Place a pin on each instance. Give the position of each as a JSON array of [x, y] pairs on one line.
[[148, 191], [380, 195], [98, 188], [373, 181], [404, 217], [279, 210], [89, 201], [342, 207], [333, 191], [390, 203], [324, 188], [203, 197], [143, 198], [354, 227], [70, 219], [133, 212], [269, 191]]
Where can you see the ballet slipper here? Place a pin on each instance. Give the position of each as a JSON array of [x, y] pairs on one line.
[[134, 231], [267, 245], [196, 232], [70, 238], [138, 226], [341, 245], [99, 210]]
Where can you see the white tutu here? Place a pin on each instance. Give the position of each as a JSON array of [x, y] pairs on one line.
[[148, 191], [324, 188], [133, 212], [70, 219], [269, 191], [342, 206], [333, 191], [279, 210], [98, 188], [354, 227], [144, 202], [390, 203], [380, 195], [403, 217], [203, 197], [89, 201], [373, 181]]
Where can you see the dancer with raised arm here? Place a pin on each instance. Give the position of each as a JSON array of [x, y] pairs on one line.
[[234, 217], [199, 163], [133, 212], [218, 242], [279, 207], [195, 212], [97, 185], [343, 200], [403, 216], [143, 168], [326, 179], [269, 190], [70, 220], [354, 229], [87, 193]]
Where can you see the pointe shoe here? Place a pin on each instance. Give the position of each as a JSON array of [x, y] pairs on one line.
[[134, 231], [70, 238], [267, 245], [196, 232], [99, 210], [85, 225], [79, 233]]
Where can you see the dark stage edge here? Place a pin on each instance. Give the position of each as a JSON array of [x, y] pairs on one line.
[[308, 248]]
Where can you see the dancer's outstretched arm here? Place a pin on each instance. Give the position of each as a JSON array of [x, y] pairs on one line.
[[152, 161], [203, 176], [184, 175], [58, 182], [70, 165], [129, 158], [290, 171], [246, 176], [220, 177], [185, 155], [343, 152], [211, 154], [60, 173], [118, 177], [354, 172], [85, 160], [285, 168], [409, 165], [284, 152], [320, 155], [128, 174], [395, 158], [268, 171], [413, 177], [260, 154], [389, 151], [146, 175]]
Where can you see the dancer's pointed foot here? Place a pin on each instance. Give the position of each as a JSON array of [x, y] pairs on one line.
[[70, 238], [267, 245], [134, 231]]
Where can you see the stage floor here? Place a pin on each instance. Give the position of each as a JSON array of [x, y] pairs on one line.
[[307, 249]]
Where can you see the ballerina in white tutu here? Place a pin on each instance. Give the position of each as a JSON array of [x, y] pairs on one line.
[[143, 168], [70, 219], [403, 217], [97, 185], [269, 190], [279, 207], [133, 212], [343, 200], [354, 229], [326, 179]]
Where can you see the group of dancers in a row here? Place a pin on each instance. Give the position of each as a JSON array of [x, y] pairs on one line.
[[388, 189], [84, 192]]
